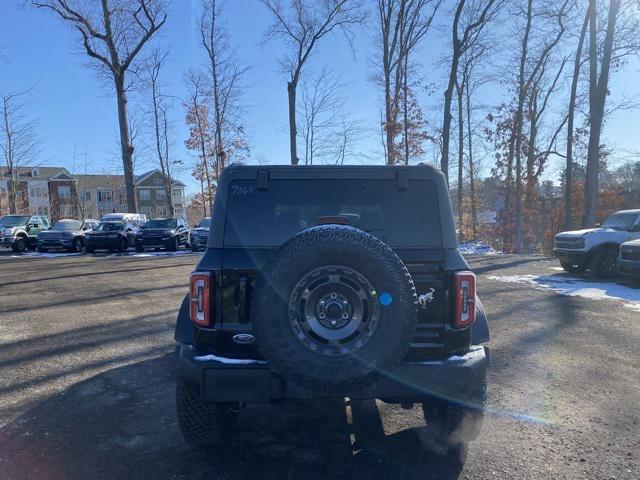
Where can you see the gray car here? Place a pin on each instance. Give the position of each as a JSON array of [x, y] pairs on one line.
[[66, 234], [200, 235]]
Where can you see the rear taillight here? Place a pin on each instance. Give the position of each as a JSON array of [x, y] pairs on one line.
[[464, 299], [200, 301]]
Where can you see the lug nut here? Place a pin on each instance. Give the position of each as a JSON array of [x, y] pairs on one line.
[[345, 315], [334, 294], [322, 315]]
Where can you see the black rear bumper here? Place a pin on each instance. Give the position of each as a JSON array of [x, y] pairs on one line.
[[221, 379]]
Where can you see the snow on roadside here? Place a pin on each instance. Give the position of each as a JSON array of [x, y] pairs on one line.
[[574, 287], [476, 248]]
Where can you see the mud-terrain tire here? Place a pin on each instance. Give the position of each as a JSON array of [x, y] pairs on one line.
[[570, 268], [603, 263], [203, 423], [370, 302], [454, 424]]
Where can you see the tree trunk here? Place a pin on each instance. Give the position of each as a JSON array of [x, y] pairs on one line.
[[448, 93], [293, 133], [459, 91], [405, 113], [568, 179], [125, 145], [597, 96], [515, 142], [472, 189]]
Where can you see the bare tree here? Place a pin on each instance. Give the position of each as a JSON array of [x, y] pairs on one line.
[[598, 89], [319, 114], [345, 136], [479, 13], [200, 138], [577, 64], [160, 124], [302, 28], [226, 74], [18, 141], [403, 25], [113, 33]]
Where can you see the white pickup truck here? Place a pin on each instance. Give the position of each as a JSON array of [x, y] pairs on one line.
[[597, 249]]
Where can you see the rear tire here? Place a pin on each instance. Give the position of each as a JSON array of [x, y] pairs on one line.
[[76, 246], [603, 264], [454, 424], [203, 423], [570, 268], [19, 245]]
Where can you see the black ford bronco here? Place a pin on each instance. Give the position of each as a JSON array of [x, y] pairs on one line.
[[325, 281]]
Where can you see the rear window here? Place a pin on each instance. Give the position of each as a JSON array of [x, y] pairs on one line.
[[265, 218]]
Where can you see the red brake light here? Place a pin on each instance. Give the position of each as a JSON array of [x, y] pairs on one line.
[[464, 299], [200, 298]]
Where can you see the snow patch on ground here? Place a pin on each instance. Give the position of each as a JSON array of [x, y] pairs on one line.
[[476, 248], [228, 361], [577, 288]]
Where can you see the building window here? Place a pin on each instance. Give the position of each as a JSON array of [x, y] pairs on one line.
[[64, 191], [105, 196], [178, 211], [161, 211], [145, 195], [66, 211], [86, 196], [161, 195], [36, 191], [146, 211]]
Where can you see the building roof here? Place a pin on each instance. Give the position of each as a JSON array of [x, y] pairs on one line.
[[35, 172], [145, 176], [99, 181]]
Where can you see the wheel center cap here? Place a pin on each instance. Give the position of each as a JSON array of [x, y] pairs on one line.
[[334, 310]]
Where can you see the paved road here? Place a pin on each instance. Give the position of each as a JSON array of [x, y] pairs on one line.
[[86, 387]]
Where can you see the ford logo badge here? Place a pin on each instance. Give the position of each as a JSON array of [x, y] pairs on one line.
[[243, 338]]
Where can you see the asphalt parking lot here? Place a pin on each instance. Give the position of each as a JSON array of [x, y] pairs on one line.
[[87, 388]]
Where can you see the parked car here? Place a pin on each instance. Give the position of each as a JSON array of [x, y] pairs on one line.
[[629, 260], [331, 282], [168, 233], [136, 219], [110, 236], [20, 232], [200, 235], [65, 234], [597, 249]]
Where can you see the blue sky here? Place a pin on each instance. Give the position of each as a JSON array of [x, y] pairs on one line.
[[76, 113]]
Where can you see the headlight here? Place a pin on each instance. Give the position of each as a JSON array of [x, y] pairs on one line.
[[8, 231]]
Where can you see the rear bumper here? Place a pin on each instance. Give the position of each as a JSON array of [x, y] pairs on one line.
[[570, 256], [629, 267], [221, 379]]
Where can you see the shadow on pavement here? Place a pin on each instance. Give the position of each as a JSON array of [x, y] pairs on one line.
[[122, 424]]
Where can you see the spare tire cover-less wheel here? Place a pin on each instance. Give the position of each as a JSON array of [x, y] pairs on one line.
[[332, 306]]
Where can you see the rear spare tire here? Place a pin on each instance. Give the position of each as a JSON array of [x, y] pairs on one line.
[[333, 306]]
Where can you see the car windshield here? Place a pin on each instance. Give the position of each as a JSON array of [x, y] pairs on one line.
[[205, 223], [620, 221], [13, 220], [67, 225], [161, 223], [110, 227]]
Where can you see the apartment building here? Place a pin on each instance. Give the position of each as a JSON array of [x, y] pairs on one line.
[[55, 192]]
